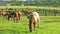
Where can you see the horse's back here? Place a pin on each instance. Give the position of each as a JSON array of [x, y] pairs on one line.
[[36, 16], [20, 13]]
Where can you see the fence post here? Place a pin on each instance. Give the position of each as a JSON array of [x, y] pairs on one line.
[[36, 10], [39, 11], [45, 12], [54, 12]]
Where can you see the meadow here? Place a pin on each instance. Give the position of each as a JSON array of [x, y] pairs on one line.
[[48, 25]]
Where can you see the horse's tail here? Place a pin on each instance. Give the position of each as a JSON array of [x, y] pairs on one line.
[[38, 21]]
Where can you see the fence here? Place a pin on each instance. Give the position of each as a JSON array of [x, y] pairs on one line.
[[42, 12], [45, 12]]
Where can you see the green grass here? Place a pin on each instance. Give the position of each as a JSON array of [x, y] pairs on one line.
[[48, 25]]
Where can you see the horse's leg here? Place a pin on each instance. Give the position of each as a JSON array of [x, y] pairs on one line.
[[34, 26], [30, 27], [8, 18], [11, 18], [14, 19], [3, 16], [19, 17], [17, 20]]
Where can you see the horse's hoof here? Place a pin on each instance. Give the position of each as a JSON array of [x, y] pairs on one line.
[[30, 31]]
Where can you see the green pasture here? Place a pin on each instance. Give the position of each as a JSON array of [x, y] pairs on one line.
[[48, 25]]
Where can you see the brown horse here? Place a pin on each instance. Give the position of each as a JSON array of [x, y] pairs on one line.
[[33, 18], [18, 15], [4, 13], [27, 12]]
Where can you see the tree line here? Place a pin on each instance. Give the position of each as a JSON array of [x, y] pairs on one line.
[[34, 3]]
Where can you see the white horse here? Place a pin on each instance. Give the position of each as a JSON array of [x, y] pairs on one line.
[[33, 18]]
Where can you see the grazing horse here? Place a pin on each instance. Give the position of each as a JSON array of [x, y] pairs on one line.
[[19, 13], [11, 15], [33, 18], [15, 15], [4, 13], [27, 12]]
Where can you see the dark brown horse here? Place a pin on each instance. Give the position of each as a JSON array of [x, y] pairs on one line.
[[15, 15]]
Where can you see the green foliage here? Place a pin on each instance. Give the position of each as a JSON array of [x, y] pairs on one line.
[[34, 3]]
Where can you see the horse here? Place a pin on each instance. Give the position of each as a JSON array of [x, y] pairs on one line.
[[11, 15], [33, 19], [4, 13], [27, 12], [20, 14], [15, 15]]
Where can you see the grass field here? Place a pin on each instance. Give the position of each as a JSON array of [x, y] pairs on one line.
[[48, 25]]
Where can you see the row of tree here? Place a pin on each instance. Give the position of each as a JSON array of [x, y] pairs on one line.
[[35, 2]]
